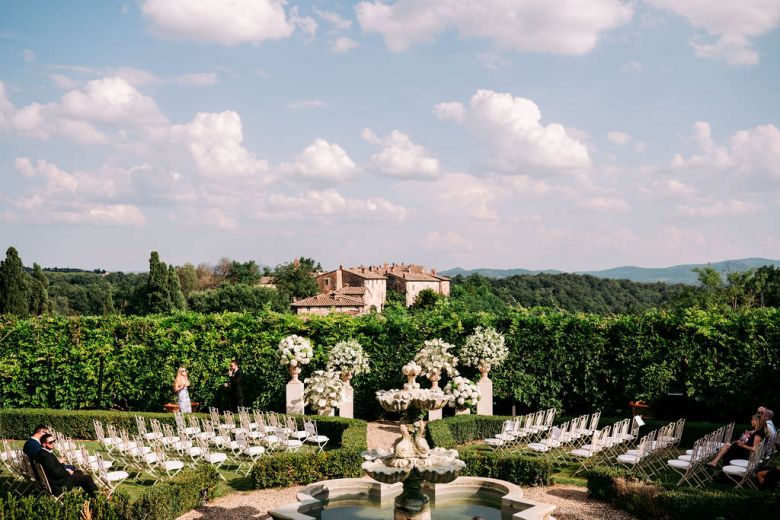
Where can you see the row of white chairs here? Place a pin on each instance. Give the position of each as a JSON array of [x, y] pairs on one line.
[[648, 458], [565, 437], [522, 429], [605, 443]]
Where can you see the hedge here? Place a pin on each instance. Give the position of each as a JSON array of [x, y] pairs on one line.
[[517, 468], [166, 500], [575, 362], [287, 469], [649, 501]]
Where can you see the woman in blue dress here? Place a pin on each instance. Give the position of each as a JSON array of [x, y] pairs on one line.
[[180, 388]]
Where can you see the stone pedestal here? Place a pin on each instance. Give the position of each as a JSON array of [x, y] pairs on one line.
[[346, 408], [434, 415], [295, 403], [485, 403]]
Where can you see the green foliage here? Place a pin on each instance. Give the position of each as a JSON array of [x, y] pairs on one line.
[[165, 500], [238, 298], [174, 289], [573, 292], [513, 467], [14, 285], [297, 278], [158, 296], [188, 278], [39, 296], [649, 501], [243, 272], [461, 429], [287, 469], [577, 362], [426, 299]]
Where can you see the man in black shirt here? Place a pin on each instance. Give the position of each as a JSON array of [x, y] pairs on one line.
[[60, 478], [33, 445], [236, 376]]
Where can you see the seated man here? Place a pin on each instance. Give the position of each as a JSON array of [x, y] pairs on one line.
[[33, 445], [60, 478], [768, 415]]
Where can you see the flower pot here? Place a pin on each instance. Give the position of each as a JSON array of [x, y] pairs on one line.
[[294, 371], [462, 411], [484, 368], [641, 409], [434, 379], [173, 407]]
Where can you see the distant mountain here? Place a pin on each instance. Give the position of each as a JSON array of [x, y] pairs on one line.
[[675, 274]]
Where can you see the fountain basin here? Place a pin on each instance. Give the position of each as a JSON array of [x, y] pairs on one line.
[[504, 497]]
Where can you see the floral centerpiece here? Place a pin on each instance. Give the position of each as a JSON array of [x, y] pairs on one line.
[[435, 358], [323, 391], [463, 392], [294, 351], [348, 358], [484, 349]]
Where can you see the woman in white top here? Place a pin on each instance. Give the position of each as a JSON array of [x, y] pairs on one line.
[[180, 388]]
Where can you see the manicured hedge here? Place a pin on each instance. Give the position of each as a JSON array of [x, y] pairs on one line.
[[166, 500], [513, 467], [460, 429], [649, 501], [287, 469], [575, 362]]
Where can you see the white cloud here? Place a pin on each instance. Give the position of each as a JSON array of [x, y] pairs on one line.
[[330, 204], [306, 24], [306, 103], [201, 79], [754, 151], [605, 204], [63, 81], [471, 196], [103, 215], [218, 21], [512, 128], [322, 161], [619, 138], [217, 218], [111, 100], [400, 157], [733, 24], [28, 55], [632, 66], [334, 19], [668, 188], [718, 208], [563, 27], [214, 140], [343, 45], [448, 241]]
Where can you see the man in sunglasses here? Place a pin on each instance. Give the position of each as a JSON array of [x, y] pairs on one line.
[[61, 478]]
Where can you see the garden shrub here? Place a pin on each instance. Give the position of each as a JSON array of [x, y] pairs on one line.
[[166, 500], [460, 429], [287, 469], [576, 362], [516, 468], [647, 500]]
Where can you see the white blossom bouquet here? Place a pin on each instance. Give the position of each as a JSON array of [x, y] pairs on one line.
[[323, 390], [464, 393], [348, 357], [435, 358], [485, 348], [294, 351]]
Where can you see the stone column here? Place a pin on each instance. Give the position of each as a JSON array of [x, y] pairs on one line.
[[346, 408], [295, 404], [485, 387]]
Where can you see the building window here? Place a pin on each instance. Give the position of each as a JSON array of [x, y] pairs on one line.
[[327, 281]]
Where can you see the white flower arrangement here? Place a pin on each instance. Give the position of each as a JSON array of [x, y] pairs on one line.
[[485, 348], [434, 358], [294, 351], [463, 392], [323, 390], [348, 357]]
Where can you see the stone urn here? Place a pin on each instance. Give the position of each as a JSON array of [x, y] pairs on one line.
[[434, 378], [484, 368], [294, 393], [326, 411], [462, 411], [295, 370]]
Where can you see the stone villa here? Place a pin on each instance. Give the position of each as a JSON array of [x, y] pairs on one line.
[[358, 290]]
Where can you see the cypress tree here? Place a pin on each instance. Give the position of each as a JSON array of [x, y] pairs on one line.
[[158, 298], [108, 302], [174, 289], [14, 289], [39, 295]]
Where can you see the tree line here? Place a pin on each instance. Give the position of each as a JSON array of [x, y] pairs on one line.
[[228, 285]]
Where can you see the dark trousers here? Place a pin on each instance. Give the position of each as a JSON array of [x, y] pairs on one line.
[[79, 479], [236, 401]]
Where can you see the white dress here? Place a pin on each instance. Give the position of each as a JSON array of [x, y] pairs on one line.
[[184, 401]]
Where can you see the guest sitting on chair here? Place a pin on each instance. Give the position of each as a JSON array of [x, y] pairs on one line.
[[771, 430], [744, 446], [60, 478], [33, 445]]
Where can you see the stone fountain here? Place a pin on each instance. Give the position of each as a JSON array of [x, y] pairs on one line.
[[411, 461]]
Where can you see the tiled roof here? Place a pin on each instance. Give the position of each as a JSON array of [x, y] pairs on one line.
[[414, 277], [329, 300], [365, 273], [266, 280]]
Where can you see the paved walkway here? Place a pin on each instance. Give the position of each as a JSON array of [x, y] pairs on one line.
[[572, 501]]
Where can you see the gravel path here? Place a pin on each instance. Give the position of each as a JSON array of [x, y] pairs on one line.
[[572, 501]]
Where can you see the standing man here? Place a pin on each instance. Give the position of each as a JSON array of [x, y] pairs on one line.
[[61, 478], [236, 376], [33, 445]]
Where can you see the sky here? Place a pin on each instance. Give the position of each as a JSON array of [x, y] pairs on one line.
[[571, 135]]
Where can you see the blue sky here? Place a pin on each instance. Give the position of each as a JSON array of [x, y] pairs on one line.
[[503, 133]]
